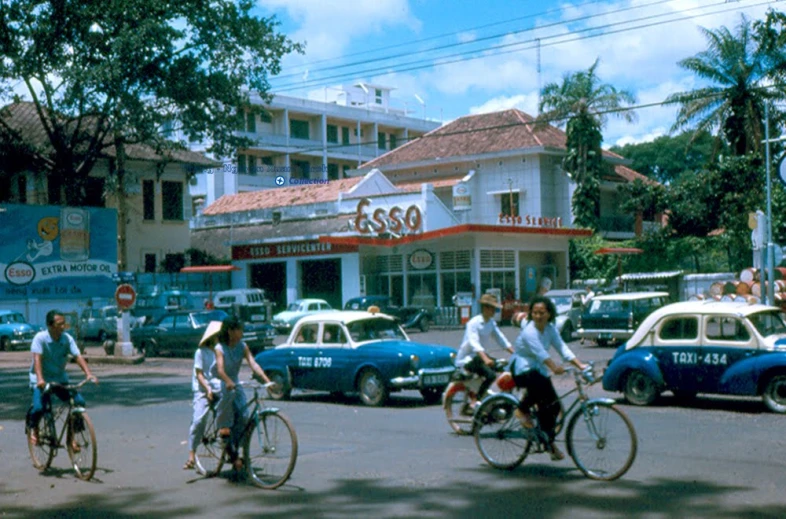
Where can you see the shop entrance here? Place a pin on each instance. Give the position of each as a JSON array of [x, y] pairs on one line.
[[272, 278], [321, 279]]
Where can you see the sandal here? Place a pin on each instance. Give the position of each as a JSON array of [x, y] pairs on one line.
[[189, 465]]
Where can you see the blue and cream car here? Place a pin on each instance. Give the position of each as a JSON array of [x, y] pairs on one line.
[[15, 332], [724, 348], [356, 352]]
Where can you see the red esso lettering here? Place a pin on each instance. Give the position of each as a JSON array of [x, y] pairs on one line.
[[19, 273], [395, 219]]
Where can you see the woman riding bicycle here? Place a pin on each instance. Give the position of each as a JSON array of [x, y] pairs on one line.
[[529, 368]]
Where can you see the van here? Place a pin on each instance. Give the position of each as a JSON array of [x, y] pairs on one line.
[[248, 304], [615, 317]]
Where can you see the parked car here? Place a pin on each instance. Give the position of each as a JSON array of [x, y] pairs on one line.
[[98, 323], [250, 303], [570, 304], [150, 307], [725, 348], [178, 332], [615, 317], [356, 351], [15, 332], [284, 321], [407, 317]]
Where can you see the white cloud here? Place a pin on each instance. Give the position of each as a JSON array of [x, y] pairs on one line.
[[527, 103]]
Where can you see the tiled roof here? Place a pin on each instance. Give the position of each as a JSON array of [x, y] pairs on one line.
[[281, 197], [23, 119], [631, 175], [436, 182]]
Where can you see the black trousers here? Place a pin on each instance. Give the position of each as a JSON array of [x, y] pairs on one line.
[[477, 366], [540, 392]]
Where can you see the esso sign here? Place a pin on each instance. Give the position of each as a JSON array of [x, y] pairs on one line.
[[19, 273], [381, 221]]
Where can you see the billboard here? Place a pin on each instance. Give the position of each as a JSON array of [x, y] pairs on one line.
[[54, 252]]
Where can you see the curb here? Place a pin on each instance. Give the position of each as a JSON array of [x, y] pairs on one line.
[[98, 359]]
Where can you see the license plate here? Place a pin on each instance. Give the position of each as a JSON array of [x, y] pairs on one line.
[[604, 336], [433, 380]]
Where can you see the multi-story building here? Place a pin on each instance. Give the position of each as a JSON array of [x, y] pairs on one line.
[[297, 139]]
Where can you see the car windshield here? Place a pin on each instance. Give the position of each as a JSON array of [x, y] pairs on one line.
[[146, 302], [768, 323], [293, 307], [561, 301], [13, 318], [600, 306], [375, 329], [203, 318]]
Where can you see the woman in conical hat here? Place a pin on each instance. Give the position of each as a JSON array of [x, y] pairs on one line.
[[205, 385]]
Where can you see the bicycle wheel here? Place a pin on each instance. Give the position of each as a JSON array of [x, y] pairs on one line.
[[270, 449], [458, 412], [499, 437], [210, 450], [601, 440], [81, 445], [45, 447]]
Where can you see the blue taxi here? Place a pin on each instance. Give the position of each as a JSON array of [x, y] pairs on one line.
[[356, 351], [724, 348]]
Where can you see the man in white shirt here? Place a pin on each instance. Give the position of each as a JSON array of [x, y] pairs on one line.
[[479, 332]]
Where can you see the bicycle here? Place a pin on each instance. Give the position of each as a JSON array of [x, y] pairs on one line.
[[268, 441], [462, 392], [600, 437], [77, 428]]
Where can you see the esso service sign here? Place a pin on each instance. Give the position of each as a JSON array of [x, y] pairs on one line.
[[19, 273], [380, 220], [421, 259]]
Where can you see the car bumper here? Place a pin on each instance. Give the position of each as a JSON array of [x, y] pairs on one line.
[[604, 335], [282, 327], [19, 343], [431, 377]]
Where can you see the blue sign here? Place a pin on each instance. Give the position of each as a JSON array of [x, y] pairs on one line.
[[53, 252]]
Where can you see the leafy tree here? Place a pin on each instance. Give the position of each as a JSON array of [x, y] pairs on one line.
[[582, 103], [736, 65], [109, 75]]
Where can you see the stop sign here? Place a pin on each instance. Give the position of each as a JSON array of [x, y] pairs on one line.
[[125, 296]]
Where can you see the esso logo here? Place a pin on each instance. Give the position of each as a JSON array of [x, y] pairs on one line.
[[381, 221], [461, 190], [19, 273], [75, 218]]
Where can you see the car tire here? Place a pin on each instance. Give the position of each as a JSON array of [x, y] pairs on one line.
[[5, 344], [424, 325], [775, 394], [102, 336], [432, 395], [372, 389], [567, 332], [282, 382], [640, 389]]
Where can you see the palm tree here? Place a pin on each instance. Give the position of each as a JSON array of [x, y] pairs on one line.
[[582, 104], [737, 67]]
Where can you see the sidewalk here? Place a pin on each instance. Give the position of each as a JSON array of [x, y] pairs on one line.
[[97, 355]]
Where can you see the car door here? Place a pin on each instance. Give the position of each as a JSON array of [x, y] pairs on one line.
[[727, 340], [676, 345], [334, 358], [305, 373], [163, 332]]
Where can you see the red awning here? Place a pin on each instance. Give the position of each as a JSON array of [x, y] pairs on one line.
[[619, 250], [206, 269]]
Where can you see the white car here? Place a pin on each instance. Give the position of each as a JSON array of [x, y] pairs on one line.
[[284, 321]]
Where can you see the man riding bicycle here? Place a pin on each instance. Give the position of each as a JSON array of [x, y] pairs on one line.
[[472, 356]]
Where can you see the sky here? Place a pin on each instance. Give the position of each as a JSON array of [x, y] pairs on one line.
[[462, 57]]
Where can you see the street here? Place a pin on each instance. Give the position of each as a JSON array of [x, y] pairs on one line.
[[715, 457]]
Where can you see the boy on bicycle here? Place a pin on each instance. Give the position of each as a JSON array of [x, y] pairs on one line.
[[472, 356], [50, 349]]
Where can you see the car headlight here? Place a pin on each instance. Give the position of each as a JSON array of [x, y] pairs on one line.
[[452, 355], [18, 333], [414, 361]]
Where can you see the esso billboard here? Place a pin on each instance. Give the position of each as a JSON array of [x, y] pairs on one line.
[[380, 220]]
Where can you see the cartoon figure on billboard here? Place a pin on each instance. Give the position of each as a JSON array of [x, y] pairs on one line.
[[48, 231]]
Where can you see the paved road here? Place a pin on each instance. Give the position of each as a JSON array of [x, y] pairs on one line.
[[716, 458]]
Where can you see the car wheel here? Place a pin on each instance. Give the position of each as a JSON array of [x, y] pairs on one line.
[[775, 394], [4, 344], [640, 389], [282, 390], [424, 324], [432, 395], [102, 336], [567, 332], [372, 389]]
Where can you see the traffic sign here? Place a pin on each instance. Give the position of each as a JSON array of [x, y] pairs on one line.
[[125, 296]]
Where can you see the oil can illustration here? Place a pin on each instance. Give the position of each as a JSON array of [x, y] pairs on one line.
[[74, 234]]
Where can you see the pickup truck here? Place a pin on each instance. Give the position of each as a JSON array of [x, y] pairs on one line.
[[407, 317]]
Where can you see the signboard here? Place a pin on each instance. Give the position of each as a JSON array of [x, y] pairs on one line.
[[288, 249], [396, 220], [421, 259], [53, 252], [125, 296], [462, 199], [532, 221]]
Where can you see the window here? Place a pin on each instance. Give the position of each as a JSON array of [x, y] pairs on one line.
[[173, 263], [680, 328], [509, 206], [344, 135], [393, 143], [172, 200], [251, 122], [332, 133], [266, 161], [726, 329], [333, 334], [381, 140], [266, 117], [94, 192], [345, 170], [332, 171], [241, 164], [150, 262], [148, 201], [298, 129], [240, 121], [378, 96], [300, 169]]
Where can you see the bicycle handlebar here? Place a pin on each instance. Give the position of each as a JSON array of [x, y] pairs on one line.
[[588, 374], [69, 387]]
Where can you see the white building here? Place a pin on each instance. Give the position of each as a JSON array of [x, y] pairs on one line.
[[298, 138]]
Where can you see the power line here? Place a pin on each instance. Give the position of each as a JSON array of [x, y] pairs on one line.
[[460, 57]]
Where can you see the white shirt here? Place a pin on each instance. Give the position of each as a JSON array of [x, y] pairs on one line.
[[532, 349], [477, 337]]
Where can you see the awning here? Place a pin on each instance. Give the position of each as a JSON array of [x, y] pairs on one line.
[[651, 275], [207, 269], [619, 250]]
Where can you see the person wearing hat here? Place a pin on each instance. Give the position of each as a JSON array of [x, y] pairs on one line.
[[204, 388], [480, 330]]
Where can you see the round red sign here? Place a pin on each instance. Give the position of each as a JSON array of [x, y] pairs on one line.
[[125, 296]]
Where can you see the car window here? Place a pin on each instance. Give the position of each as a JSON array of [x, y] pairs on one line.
[[3, 319], [680, 328], [324, 306], [167, 322], [374, 329], [726, 329], [333, 334], [112, 312], [307, 334], [768, 323], [605, 306]]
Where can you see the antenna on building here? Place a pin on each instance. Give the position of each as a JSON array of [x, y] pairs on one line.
[[422, 103]]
